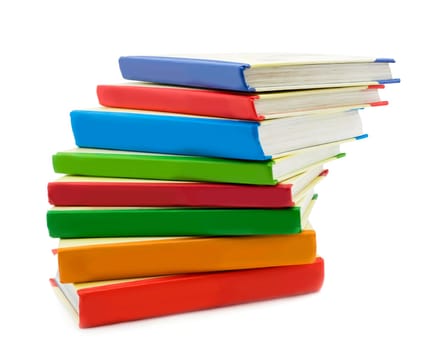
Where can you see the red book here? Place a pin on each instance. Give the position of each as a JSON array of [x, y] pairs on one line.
[[102, 303], [225, 104], [96, 191]]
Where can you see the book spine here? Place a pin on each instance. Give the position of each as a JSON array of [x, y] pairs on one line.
[[171, 295], [98, 262], [221, 138], [178, 100], [164, 168], [168, 195], [112, 222], [186, 72]]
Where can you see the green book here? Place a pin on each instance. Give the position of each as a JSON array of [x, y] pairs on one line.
[[138, 165], [89, 222]]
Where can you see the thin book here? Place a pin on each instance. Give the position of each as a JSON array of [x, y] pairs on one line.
[[258, 71], [102, 191], [142, 165], [235, 105], [97, 259]]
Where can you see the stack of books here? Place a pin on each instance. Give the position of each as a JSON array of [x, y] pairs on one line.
[[192, 184]]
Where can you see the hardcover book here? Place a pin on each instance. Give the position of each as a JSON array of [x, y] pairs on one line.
[[258, 71], [90, 222], [227, 104], [141, 165], [101, 191], [142, 131], [96, 259], [107, 302]]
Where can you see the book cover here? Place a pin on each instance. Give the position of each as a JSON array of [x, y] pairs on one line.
[[226, 104], [141, 165], [91, 222], [142, 131], [107, 302], [258, 71], [97, 259], [102, 191]]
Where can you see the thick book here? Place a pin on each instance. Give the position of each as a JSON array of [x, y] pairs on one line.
[[181, 134], [258, 71], [107, 302], [102, 191], [141, 165], [226, 104], [95, 222], [97, 259]]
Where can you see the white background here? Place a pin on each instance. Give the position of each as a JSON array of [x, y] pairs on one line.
[[380, 213]]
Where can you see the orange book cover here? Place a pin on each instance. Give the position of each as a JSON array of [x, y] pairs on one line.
[[84, 260]]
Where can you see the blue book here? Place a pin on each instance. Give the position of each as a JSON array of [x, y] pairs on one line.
[[156, 132], [258, 71]]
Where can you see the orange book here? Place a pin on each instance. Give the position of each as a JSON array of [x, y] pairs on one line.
[[84, 260]]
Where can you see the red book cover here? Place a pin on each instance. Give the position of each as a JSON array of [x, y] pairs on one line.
[[235, 105], [102, 303], [91, 191], [179, 100]]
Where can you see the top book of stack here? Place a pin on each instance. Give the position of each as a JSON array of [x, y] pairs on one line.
[[258, 72]]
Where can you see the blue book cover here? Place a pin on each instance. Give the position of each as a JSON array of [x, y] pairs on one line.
[[131, 130], [258, 71]]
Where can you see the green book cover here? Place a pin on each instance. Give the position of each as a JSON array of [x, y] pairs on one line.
[[80, 222], [138, 165], [89, 162]]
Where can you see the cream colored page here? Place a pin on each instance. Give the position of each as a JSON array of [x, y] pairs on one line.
[[79, 242], [277, 58], [73, 178]]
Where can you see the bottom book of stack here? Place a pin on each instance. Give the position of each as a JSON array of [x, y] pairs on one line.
[[107, 302]]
